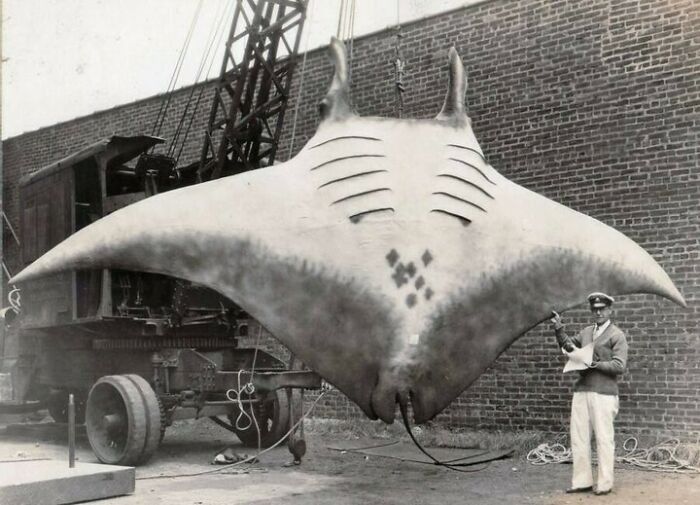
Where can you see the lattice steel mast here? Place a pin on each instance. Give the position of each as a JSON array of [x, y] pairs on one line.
[[251, 95]]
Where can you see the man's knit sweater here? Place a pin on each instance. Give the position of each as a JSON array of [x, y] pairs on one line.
[[610, 353]]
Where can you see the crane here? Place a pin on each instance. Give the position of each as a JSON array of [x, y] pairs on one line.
[[249, 98], [133, 338]]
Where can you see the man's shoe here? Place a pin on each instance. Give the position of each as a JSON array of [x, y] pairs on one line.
[[579, 489], [599, 492]]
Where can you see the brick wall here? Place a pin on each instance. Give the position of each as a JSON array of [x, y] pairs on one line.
[[594, 104]]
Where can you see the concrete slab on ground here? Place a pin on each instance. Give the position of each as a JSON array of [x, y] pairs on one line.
[[51, 482]]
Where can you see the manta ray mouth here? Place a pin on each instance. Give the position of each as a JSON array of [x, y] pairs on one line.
[[386, 395], [386, 399]]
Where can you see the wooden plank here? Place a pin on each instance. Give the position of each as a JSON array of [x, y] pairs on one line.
[[47, 482]]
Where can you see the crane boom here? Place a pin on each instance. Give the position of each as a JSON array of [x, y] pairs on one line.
[[252, 91]]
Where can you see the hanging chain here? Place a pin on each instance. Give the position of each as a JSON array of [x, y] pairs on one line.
[[399, 66]]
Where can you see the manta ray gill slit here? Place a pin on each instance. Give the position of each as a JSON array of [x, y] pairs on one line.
[[356, 218], [468, 183], [474, 167], [345, 137], [344, 158], [353, 176], [466, 148]]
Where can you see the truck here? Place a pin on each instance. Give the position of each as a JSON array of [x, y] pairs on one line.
[[136, 350]]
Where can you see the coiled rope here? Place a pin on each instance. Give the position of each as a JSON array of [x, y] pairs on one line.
[[244, 420], [14, 298], [545, 454], [668, 456]]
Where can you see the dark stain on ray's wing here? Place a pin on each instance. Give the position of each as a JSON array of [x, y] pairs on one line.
[[473, 167], [349, 177], [343, 158], [468, 183], [345, 137]]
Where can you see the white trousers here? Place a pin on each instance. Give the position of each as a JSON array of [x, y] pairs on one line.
[[593, 412]]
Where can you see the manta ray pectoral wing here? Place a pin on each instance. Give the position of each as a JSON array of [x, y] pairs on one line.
[[232, 235], [506, 306], [534, 256]]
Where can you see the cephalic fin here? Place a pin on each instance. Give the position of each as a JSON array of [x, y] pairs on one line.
[[336, 104]]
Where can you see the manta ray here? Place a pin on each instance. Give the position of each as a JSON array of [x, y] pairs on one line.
[[388, 254]]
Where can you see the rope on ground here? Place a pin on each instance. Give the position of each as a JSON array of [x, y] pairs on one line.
[[545, 454], [668, 456]]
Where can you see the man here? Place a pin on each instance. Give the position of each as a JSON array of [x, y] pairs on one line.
[[595, 401]]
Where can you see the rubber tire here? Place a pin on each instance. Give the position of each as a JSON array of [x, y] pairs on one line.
[[273, 419], [135, 405], [155, 426]]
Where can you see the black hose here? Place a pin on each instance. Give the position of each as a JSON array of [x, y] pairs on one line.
[[403, 407]]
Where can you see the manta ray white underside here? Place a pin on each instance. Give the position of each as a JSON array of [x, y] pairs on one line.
[[388, 254]]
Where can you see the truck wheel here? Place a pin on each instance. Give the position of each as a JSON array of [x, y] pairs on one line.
[[272, 416], [156, 424], [57, 404], [123, 420], [296, 442]]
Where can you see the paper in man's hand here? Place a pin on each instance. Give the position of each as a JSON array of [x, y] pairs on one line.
[[579, 359]]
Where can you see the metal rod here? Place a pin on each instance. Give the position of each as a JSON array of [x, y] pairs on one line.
[[71, 431], [218, 403]]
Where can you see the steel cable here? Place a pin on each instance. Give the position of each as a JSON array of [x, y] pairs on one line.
[[215, 35], [162, 112], [301, 81]]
